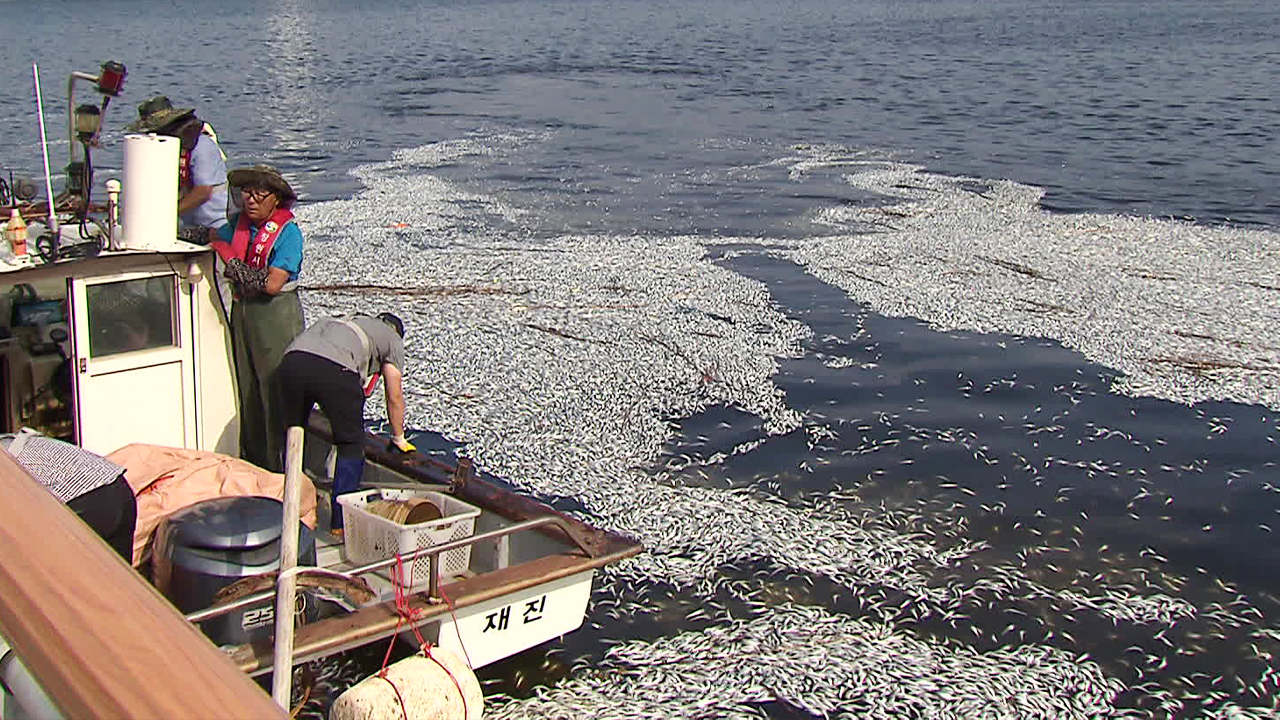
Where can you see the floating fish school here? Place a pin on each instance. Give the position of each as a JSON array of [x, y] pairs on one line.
[[113, 336]]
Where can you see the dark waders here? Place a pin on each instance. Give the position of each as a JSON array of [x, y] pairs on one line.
[[261, 328]]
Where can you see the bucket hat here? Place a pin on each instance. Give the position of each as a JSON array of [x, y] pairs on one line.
[[157, 113], [263, 176]]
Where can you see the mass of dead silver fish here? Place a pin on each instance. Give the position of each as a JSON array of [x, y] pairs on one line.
[[564, 365], [1131, 293], [829, 666]]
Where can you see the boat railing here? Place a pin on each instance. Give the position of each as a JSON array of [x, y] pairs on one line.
[[501, 536]]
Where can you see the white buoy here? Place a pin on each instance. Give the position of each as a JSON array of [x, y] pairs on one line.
[[427, 688]]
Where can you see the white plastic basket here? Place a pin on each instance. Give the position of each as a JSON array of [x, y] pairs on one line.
[[369, 538]]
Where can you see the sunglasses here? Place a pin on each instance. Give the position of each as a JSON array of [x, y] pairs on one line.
[[258, 196]]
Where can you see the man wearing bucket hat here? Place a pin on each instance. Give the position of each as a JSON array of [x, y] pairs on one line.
[[261, 251], [336, 364], [202, 166]]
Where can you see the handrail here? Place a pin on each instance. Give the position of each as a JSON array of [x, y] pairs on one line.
[[100, 640], [433, 552]]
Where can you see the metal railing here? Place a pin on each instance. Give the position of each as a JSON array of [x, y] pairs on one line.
[[433, 553]]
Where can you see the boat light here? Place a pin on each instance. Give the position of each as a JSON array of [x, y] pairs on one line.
[[194, 273], [88, 120], [111, 81]]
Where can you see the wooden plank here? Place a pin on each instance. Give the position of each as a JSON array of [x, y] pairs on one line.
[[99, 638]]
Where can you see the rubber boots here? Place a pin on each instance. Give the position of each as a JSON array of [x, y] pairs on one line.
[[346, 479]]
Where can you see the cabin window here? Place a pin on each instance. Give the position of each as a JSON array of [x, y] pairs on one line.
[[131, 315]]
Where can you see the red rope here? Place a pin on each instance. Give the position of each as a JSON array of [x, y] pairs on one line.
[[403, 711], [404, 611], [457, 629], [402, 601], [426, 650]]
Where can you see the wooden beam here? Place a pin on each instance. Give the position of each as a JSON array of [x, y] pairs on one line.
[[99, 638]]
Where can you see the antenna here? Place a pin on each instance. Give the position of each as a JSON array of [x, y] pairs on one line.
[[44, 147]]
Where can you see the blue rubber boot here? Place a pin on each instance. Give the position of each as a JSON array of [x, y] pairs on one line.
[[347, 471]]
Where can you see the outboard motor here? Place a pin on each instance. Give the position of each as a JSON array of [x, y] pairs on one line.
[[207, 546]]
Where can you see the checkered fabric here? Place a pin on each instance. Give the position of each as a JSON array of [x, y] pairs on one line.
[[66, 470]]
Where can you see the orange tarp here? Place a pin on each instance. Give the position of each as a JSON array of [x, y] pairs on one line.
[[166, 479]]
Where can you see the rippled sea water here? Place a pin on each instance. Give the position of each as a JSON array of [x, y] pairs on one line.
[[930, 347]]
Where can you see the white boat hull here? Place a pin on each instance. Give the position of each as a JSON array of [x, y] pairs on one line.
[[487, 632]]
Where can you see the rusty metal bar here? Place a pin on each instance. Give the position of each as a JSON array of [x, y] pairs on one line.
[[471, 488]]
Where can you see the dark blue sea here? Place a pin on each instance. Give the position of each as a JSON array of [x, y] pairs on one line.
[[665, 118]]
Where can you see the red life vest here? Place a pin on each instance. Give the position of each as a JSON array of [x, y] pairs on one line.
[[185, 182], [184, 171], [255, 253]]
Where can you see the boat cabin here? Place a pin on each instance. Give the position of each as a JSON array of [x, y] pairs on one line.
[[121, 347]]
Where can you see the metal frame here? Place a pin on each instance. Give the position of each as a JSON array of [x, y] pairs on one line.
[[433, 552]]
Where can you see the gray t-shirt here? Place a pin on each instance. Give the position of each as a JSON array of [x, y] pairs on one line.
[[332, 339]]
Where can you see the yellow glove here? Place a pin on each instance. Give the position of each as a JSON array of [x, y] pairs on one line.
[[400, 443]]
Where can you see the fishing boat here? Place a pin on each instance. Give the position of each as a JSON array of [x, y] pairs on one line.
[[113, 334]]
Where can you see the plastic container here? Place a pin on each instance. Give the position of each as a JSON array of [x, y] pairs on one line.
[[16, 233], [369, 538]]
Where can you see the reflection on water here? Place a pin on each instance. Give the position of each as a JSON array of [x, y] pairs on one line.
[[291, 105]]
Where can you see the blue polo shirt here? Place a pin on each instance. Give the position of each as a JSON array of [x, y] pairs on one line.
[[286, 252]]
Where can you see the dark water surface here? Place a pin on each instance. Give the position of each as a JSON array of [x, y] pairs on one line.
[[1022, 441], [1155, 108], [657, 117]]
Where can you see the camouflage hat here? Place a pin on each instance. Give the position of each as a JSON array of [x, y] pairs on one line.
[[157, 114], [263, 176]]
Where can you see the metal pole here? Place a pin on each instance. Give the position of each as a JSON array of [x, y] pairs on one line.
[[287, 582], [71, 107]]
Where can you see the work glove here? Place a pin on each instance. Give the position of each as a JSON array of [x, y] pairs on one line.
[[249, 281], [400, 443]]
